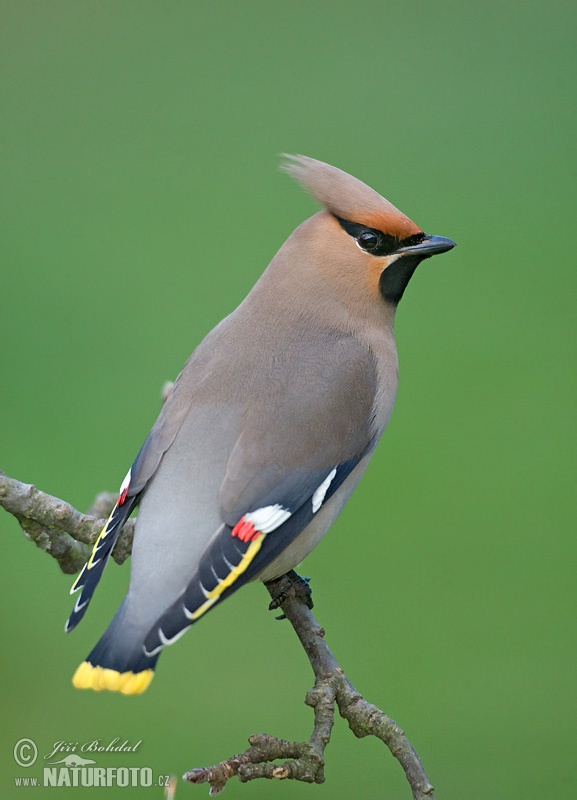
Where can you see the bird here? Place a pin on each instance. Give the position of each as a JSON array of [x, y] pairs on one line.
[[267, 430]]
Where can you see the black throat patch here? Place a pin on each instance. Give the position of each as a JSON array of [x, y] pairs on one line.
[[395, 278]]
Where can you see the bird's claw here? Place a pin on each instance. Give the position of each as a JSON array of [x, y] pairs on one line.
[[290, 584]]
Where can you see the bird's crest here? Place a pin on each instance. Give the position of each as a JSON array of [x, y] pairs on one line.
[[348, 197]]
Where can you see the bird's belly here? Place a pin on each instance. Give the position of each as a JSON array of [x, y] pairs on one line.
[[314, 532]]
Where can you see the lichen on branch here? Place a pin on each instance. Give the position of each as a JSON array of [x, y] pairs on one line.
[[59, 529]]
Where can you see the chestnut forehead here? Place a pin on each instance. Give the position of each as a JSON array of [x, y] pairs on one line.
[[393, 224]]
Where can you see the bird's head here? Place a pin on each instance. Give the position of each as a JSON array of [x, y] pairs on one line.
[[361, 231]]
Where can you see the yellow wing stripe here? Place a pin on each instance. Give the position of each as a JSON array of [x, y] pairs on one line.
[[75, 586], [103, 533], [87, 676], [236, 572]]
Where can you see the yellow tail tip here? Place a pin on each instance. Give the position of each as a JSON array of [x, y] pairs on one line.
[[88, 676]]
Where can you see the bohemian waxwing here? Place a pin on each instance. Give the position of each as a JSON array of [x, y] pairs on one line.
[[268, 428]]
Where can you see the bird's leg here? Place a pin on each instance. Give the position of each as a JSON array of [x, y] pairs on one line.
[[290, 584]]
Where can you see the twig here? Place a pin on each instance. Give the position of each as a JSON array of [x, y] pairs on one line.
[[331, 687], [57, 528], [66, 534]]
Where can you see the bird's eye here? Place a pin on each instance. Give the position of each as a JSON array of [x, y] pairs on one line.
[[368, 240]]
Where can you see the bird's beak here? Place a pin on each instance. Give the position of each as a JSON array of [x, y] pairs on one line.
[[430, 246]]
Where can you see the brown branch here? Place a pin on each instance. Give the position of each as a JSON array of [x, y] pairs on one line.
[[332, 687], [57, 528], [66, 534]]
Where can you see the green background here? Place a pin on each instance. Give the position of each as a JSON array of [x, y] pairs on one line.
[[141, 200]]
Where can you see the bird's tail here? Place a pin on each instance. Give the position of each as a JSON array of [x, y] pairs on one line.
[[118, 662]]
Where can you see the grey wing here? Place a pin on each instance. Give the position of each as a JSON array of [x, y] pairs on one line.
[[297, 446]]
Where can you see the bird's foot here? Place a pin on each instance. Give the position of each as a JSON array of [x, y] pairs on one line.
[[289, 585]]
